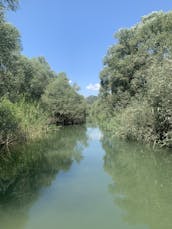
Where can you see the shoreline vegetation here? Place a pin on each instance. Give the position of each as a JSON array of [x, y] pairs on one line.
[[33, 97], [134, 101]]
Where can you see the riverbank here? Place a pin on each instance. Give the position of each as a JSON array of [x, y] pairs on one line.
[[136, 82], [135, 123], [21, 121]]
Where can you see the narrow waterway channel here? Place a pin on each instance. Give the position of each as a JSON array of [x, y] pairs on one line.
[[82, 178]]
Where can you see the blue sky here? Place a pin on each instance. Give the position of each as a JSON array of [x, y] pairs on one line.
[[74, 35]]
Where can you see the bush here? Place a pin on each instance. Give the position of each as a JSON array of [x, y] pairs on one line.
[[136, 122]]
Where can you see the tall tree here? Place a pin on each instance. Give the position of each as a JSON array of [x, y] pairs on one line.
[[136, 80], [126, 63], [9, 52]]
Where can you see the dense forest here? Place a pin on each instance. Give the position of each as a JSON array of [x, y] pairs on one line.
[[32, 95], [135, 100]]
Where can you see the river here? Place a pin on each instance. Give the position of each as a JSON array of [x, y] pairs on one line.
[[83, 178]]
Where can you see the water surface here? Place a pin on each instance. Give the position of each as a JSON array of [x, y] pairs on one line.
[[83, 178]]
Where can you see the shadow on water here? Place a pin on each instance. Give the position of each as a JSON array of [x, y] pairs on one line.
[[142, 182], [29, 168]]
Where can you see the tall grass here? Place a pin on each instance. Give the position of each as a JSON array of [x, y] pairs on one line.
[[21, 121], [33, 121]]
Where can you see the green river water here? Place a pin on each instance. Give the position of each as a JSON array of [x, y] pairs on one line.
[[82, 178]]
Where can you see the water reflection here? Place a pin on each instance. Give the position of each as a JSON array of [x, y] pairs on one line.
[[28, 169], [142, 182]]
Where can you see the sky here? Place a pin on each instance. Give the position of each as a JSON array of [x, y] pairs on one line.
[[74, 35]]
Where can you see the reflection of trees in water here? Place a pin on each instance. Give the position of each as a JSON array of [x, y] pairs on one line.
[[34, 166], [142, 182]]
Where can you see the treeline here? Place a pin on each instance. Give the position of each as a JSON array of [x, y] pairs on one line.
[[135, 100], [32, 95]]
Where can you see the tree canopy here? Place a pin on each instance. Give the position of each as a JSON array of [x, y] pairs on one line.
[[31, 93], [137, 71], [63, 102]]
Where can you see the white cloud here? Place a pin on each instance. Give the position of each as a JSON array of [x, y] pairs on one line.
[[70, 81], [93, 87]]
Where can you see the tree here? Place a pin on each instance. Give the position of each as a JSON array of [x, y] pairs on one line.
[[160, 100], [136, 80], [64, 104], [9, 44], [9, 50], [91, 99], [126, 63], [42, 74]]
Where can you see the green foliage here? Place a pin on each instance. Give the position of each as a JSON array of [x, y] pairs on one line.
[[42, 74], [33, 120], [101, 110], [64, 104], [9, 50], [9, 124], [17, 75], [9, 44], [136, 122], [136, 81], [27, 77], [160, 100], [21, 121], [127, 62], [91, 99], [31, 79]]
